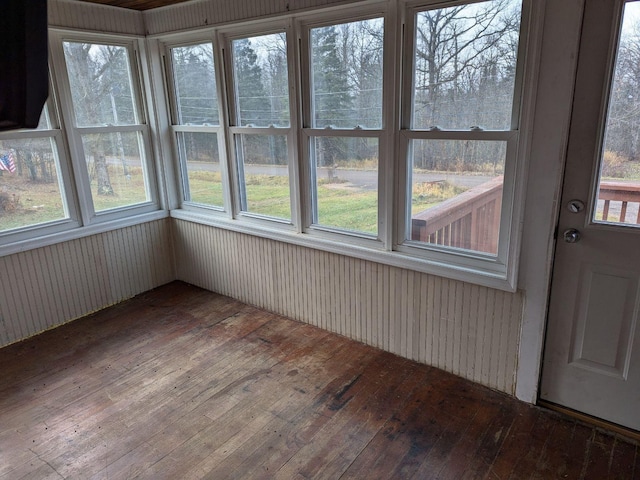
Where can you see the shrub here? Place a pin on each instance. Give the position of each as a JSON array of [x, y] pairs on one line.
[[615, 165]]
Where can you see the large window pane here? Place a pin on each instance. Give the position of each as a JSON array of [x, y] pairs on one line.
[[264, 175], [100, 82], [456, 193], [195, 85], [261, 80], [346, 64], [30, 191], [116, 169], [619, 183], [199, 153], [464, 65], [346, 183]]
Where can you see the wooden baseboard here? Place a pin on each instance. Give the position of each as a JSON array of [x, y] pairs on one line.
[[632, 435]]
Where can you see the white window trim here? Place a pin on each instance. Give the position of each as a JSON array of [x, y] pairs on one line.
[[137, 57], [390, 247]]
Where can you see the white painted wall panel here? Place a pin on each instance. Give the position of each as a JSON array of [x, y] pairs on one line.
[[48, 286], [202, 13], [466, 329], [94, 17]]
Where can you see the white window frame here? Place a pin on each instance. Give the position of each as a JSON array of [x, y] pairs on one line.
[[226, 36], [308, 132], [137, 56], [176, 127], [65, 182], [391, 246], [501, 265]]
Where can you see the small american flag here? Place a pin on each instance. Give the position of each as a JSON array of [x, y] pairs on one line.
[[7, 163]]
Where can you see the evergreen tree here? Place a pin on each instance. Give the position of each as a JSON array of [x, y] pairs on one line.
[[332, 102]]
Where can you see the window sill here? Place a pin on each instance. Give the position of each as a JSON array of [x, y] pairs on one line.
[[79, 232], [353, 248]]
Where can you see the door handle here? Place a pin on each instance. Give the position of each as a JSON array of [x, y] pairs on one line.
[[571, 235]]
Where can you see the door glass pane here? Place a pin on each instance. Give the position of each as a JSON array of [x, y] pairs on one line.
[[195, 85], [101, 87], [346, 64], [465, 64], [261, 80], [346, 183], [30, 189], [116, 169], [263, 171], [456, 193], [619, 181], [199, 154]]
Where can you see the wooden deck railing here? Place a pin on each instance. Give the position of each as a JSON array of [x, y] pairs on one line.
[[470, 220], [625, 193]]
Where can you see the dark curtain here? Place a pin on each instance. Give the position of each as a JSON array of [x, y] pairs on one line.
[[24, 82]]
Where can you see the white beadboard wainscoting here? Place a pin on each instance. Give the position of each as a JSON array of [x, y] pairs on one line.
[[94, 17], [46, 287], [469, 330]]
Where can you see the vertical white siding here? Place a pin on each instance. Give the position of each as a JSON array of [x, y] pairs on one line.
[[94, 17], [48, 286], [466, 329], [202, 13]]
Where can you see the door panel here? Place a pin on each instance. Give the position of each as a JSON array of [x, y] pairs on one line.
[[592, 352]]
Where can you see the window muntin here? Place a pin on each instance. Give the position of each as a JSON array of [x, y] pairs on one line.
[[31, 188], [262, 131], [109, 132], [463, 118]]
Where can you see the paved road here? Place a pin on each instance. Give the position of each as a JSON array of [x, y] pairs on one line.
[[360, 178]]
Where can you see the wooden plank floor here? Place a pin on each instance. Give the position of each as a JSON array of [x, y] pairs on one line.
[[180, 383]]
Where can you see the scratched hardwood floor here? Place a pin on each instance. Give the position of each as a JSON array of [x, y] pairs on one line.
[[181, 383]]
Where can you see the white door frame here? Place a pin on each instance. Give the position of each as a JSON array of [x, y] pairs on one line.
[[558, 53]]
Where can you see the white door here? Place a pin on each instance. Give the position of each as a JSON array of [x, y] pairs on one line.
[[592, 351]]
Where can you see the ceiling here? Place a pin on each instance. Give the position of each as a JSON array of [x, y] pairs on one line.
[[137, 4]]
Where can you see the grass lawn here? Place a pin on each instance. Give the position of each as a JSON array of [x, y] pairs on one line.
[[340, 205]]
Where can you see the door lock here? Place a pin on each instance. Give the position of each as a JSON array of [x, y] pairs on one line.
[[575, 206], [571, 235]]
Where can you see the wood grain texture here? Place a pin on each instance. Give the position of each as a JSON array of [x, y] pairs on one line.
[[465, 329], [48, 286], [184, 383]]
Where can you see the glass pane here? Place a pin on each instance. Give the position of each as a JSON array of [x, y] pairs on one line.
[[195, 85], [116, 169], [264, 175], [261, 80], [30, 191], [100, 82], [199, 153], [346, 64], [465, 64], [456, 193], [619, 182], [346, 186]]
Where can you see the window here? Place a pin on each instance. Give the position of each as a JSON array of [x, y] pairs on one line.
[[345, 124], [261, 124], [461, 130], [403, 154], [196, 123], [109, 131], [32, 181]]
